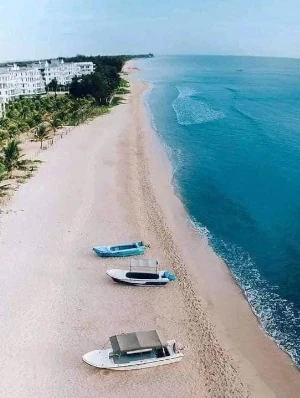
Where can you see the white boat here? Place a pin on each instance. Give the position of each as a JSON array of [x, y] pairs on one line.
[[132, 351], [142, 278]]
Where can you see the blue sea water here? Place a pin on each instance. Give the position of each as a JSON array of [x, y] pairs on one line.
[[232, 125]]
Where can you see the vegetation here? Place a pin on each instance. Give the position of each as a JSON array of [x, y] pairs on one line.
[[3, 176], [11, 157], [82, 58], [42, 132], [116, 61], [103, 83], [26, 115], [53, 85], [39, 117]]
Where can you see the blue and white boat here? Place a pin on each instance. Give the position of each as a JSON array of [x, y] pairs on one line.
[[121, 250], [135, 277]]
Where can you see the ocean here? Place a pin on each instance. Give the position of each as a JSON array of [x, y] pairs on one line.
[[232, 129]]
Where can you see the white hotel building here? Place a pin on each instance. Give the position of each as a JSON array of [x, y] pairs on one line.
[[64, 72], [16, 81]]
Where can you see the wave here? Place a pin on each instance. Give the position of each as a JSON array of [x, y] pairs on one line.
[[186, 92], [174, 155], [190, 110], [278, 317], [234, 91], [244, 115]]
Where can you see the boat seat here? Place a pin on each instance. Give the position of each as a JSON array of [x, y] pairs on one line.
[[160, 353]]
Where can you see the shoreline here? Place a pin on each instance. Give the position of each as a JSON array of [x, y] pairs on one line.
[[279, 362], [106, 182]]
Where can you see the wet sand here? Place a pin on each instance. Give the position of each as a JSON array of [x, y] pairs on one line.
[[110, 181]]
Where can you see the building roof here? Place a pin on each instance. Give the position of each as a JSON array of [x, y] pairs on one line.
[[135, 341]]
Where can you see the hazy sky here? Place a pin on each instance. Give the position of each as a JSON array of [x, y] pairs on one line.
[[49, 28]]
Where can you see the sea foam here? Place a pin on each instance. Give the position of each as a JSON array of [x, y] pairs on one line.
[[190, 110], [277, 316]]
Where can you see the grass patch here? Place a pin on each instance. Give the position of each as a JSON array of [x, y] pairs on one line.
[[100, 110]]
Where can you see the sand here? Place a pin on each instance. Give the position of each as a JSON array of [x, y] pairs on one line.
[[110, 181]]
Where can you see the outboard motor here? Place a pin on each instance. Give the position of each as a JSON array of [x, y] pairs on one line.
[[170, 276]]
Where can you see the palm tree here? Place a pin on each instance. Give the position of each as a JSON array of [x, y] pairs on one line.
[[12, 130], [25, 110], [11, 156], [23, 126], [55, 123], [3, 176], [3, 135], [37, 118], [4, 122], [42, 133]]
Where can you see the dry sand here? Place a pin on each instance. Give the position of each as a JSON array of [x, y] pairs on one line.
[[105, 182]]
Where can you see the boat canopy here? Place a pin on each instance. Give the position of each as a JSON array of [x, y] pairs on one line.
[[136, 341], [144, 262]]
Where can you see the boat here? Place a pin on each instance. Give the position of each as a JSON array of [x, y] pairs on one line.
[[142, 278], [121, 250], [132, 351]]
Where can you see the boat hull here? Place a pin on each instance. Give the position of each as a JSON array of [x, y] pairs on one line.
[[122, 250], [148, 365], [145, 279], [101, 360], [127, 253], [139, 283]]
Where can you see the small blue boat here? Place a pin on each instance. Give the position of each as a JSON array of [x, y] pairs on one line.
[[122, 250]]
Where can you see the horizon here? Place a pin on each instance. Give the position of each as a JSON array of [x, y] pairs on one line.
[[155, 55]]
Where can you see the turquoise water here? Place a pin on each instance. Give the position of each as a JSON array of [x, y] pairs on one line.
[[232, 128]]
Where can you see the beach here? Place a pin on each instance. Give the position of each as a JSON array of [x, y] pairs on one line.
[[105, 182]]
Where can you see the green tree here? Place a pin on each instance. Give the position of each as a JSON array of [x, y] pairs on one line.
[[12, 130], [4, 123], [55, 123], [42, 133], [23, 126], [11, 157], [53, 85], [3, 135], [37, 117], [95, 85], [3, 177]]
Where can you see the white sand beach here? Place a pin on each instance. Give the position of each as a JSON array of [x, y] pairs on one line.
[[105, 182]]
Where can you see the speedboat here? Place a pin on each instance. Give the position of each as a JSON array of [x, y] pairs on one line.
[[142, 278], [121, 250], [132, 351]]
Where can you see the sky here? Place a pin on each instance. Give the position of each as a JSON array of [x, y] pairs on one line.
[[35, 29]]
